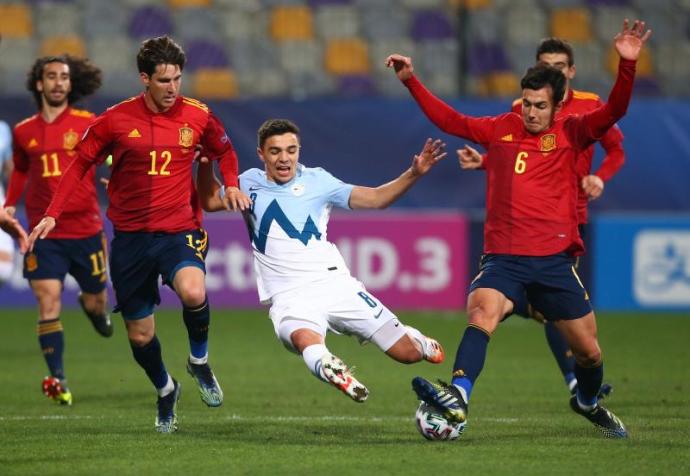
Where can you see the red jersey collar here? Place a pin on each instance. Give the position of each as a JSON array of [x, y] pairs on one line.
[[57, 120]]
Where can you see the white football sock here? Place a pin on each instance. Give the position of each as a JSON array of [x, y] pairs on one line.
[[312, 356], [419, 338], [169, 387]]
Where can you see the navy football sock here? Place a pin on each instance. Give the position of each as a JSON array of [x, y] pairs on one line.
[[197, 321], [470, 357], [150, 359], [588, 383], [52, 341], [561, 351]]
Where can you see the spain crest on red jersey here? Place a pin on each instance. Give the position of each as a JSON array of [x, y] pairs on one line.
[[186, 136], [70, 140], [547, 142]]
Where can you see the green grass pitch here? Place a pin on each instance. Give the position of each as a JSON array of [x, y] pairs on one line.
[[278, 419]]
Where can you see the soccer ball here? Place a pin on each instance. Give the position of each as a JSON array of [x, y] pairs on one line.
[[433, 425]]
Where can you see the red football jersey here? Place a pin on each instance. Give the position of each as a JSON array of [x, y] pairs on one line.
[[153, 154], [42, 152], [581, 102], [531, 178]]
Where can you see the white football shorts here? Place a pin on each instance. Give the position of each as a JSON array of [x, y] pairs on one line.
[[341, 305]]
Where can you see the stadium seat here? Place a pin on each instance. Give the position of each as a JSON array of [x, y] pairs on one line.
[[17, 54], [379, 50], [418, 4], [526, 23], [205, 54], [301, 56], [256, 54], [240, 5], [262, 83], [196, 23], [57, 19], [609, 19], [303, 85], [292, 23], [471, 4], [214, 83], [483, 58], [57, 45], [379, 23], [242, 24], [16, 21], [484, 26], [347, 56], [189, 3], [113, 53], [148, 22], [337, 21], [356, 85], [503, 84], [572, 24], [431, 24], [589, 61], [103, 18]]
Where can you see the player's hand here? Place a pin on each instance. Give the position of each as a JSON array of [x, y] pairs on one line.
[[402, 66], [235, 200], [469, 158], [105, 182], [593, 186], [629, 41], [11, 211], [41, 230], [12, 227], [199, 155], [433, 151]]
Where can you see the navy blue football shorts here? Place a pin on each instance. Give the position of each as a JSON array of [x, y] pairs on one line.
[[83, 258], [549, 283], [137, 260]]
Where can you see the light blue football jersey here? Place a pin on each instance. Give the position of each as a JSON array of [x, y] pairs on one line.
[[288, 228], [5, 144]]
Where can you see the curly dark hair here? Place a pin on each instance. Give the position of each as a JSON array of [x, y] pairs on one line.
[[275, 127], [85, 77], [540, 76], [159, 50]]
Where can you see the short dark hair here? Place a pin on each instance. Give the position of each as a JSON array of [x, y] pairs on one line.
[[275, 127], [85, 77], [556, 45], [159, 50], [542, 75]]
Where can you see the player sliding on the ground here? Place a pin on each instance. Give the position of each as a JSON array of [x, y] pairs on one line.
[[300, 273]]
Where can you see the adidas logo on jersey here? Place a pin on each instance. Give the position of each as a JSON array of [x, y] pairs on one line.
[[134, 133], [32, 143], [508, 138]]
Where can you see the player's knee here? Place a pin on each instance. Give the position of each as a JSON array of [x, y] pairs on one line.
[[588, 357], [192, 295], [95, 303], [139, 337]]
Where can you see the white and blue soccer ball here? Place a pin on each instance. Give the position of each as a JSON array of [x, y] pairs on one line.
[[432, 425]]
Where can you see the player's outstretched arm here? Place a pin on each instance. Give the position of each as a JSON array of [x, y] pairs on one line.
[[628, 43], [12, 227], [382, 196]]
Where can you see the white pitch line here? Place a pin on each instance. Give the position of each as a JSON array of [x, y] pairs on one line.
[[234, 417]]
